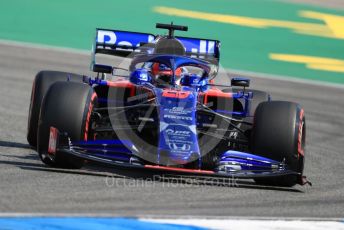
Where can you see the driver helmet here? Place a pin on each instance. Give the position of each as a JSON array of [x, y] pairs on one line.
[[163, 73]]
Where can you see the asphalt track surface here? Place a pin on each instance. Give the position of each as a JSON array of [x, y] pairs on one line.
[[28, 186]]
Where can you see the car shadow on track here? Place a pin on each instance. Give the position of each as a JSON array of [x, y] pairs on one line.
[[149, 176], [44, 168], [174, 179], [30, 156], [12, 144]]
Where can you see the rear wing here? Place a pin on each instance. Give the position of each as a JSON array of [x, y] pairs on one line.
[[125, 43]]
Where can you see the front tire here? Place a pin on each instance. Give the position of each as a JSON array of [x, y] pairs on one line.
[[40, 86], [279, 133], [67, 106]]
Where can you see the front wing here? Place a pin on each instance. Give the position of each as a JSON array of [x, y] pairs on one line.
[[113, 153]]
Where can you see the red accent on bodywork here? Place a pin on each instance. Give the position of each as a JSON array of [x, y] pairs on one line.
[[52, 140], [175, 94], [179, 169], [215, 92], [88, 116], [299, 141], [123, 84]]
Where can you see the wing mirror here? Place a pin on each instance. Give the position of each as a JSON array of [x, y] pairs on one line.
[[240, 82], [99, 68]]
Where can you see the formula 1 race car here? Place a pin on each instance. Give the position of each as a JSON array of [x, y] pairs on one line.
[[160, 108]]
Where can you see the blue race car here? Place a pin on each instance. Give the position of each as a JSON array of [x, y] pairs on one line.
[[158, 107]]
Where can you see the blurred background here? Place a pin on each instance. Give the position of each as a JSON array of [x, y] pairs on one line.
[[297, 38]]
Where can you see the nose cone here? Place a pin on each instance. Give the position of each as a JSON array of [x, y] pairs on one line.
[[178, 141]]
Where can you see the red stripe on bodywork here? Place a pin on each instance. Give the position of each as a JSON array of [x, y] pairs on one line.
[[88, 116], [123, 84], [175, 94], [299, 141], [52, 140], [179, 169], [214, 92]]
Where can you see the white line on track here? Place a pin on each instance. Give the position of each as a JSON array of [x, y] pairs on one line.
[[273, 224]]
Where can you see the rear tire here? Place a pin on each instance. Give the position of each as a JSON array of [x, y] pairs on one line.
[[67, 106], [279, 133], [41, 84], [258, 97]]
